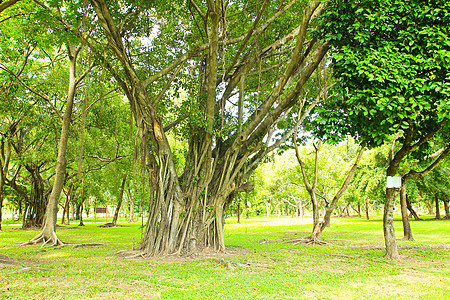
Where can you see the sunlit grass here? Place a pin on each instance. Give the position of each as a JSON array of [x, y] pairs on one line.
[[350, 266]]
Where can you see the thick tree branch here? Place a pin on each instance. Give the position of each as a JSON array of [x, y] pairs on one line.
[[5, 5]]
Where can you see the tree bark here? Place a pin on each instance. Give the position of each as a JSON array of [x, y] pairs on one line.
[[388, 224], [407, 233], [1, 207], [119, 201], [447, 211], [38, 198], [5, 5], [186, 213], [436, 201], [238, 211], [66, 211], [366, 202], [48, 234], [82, 204], [5, 156], [411, 209], [131, 200], [429, 206]]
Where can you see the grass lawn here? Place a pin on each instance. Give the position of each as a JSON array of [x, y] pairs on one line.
[[350, 266]]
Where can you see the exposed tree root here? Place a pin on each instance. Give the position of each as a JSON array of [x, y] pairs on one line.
[[231, 264], [309, 240], [53, 241], [107, 225], [131, 254], [87, 245]]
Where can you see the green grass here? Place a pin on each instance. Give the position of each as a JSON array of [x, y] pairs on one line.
[[351, 266]]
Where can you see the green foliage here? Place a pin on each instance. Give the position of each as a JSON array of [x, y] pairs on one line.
[[391, 62], [281, 178]]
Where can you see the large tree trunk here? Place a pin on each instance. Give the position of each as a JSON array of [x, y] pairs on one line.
[[34, 217], [187, 214], [388, 223], [119, 201], [407, 233], [48, 234]]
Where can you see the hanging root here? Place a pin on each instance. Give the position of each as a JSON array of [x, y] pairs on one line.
[[52, 241]]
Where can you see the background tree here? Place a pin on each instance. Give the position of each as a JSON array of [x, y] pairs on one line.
[[391, 77]]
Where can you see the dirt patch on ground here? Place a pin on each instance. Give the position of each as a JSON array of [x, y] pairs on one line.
[[22, 265]]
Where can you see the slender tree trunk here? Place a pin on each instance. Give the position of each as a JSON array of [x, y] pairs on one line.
[[238, 211], [429, 207], [436, 200], [311, 188], [131, 200], [72, 207], [66, 208], [405, 219], [82, 204], [447, 211], [119, 202], [317, 230], [1, 205], [302, 210], [367, 208], [48, 234], [411, 209]]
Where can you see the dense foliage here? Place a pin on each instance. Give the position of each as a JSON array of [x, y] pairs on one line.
[[391, 62]]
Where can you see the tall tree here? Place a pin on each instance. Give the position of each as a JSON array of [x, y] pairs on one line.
[[266, 61], [392, 68], [48, 233]]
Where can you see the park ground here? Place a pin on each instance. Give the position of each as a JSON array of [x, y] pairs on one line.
[[259, 264]]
